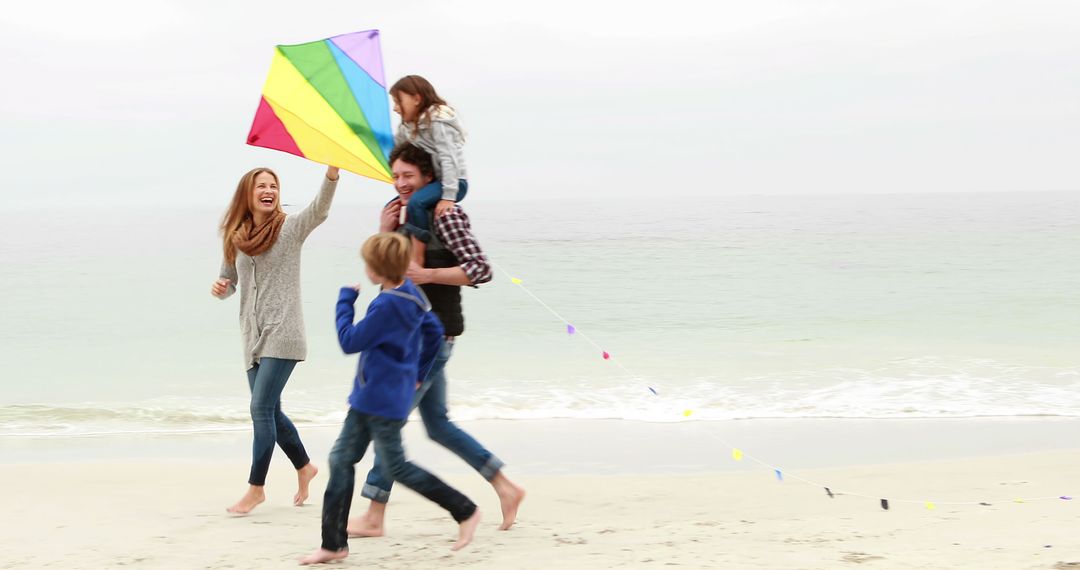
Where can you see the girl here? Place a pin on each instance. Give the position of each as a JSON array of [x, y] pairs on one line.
[[262, 258], [429, 123]]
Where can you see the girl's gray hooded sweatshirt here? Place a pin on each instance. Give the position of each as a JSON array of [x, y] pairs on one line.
[[443, 137]]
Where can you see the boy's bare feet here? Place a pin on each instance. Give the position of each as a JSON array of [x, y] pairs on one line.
[[510, 497], [466, 530], [370, 524], [322, 556], [304, 475], [249, 501]]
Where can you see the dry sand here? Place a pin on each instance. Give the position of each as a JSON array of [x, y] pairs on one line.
[[168, 512]]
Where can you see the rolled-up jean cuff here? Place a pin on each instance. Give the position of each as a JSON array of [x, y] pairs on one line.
[[301, 462], [490, 469], [465, 514], [375, 494]]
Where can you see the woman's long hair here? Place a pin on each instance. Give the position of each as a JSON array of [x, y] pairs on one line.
[[418, 87], [240, 210]]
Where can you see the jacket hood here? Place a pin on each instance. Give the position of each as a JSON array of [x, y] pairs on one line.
[[441, 114], [408, 301]]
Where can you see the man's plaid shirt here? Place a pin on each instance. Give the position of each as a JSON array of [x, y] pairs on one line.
[[455, 232]]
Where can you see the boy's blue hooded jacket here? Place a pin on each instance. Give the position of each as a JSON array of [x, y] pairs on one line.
[[397, 339]]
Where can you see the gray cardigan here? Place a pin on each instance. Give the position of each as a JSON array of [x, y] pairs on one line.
[[271, 320]]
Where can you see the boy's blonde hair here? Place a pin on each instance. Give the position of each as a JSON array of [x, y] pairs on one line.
[[387, 254]]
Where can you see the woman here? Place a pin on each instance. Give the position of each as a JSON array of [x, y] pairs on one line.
[[262, 257]]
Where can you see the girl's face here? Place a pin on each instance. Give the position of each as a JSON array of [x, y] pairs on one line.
[[264, 194], [408, 106]]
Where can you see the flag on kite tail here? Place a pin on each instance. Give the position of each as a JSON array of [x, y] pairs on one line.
[[326, 101]]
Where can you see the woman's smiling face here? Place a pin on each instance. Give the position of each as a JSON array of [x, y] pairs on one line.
[[264, 194]]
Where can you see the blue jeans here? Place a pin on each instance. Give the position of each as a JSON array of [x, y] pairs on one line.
[[431, 399], [266, 380], [359, 430], [417, 221]]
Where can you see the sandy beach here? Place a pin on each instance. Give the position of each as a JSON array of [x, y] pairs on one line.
[[601, 495]]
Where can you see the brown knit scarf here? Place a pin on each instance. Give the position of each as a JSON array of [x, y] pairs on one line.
[[254, 240]]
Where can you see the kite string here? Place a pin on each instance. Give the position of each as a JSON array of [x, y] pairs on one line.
[[577, 331], [730, 445]]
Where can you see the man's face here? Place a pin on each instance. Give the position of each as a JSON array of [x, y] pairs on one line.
[[407, 179]]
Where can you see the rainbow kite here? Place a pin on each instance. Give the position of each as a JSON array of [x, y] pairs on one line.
[[326, 101]]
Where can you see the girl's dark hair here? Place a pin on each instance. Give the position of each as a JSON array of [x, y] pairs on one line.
[[418, 87]]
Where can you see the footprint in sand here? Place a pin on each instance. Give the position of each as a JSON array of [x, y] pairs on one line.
[[860, 557], [131, 561]]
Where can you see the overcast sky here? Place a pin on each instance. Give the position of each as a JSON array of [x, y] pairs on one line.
[[114, 101]]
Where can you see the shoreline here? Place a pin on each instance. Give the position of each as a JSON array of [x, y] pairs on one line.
[[615, 446]]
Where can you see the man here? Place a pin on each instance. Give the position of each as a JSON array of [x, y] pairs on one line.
[[453, 259]]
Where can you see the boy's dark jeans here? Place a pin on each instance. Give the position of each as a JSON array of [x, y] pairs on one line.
[[430, 398], [359, 430]]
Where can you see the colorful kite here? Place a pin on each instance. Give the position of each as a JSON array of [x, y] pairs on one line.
[[326, 101]]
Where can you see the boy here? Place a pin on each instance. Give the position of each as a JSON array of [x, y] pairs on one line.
[[398, 339]]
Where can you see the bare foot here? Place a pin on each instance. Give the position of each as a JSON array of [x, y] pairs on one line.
[[249, 501], [304, 475], [322, 556], [466, 530], [510, 497], [365, 526]]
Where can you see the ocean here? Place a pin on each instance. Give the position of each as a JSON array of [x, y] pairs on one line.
[[740, 307]]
